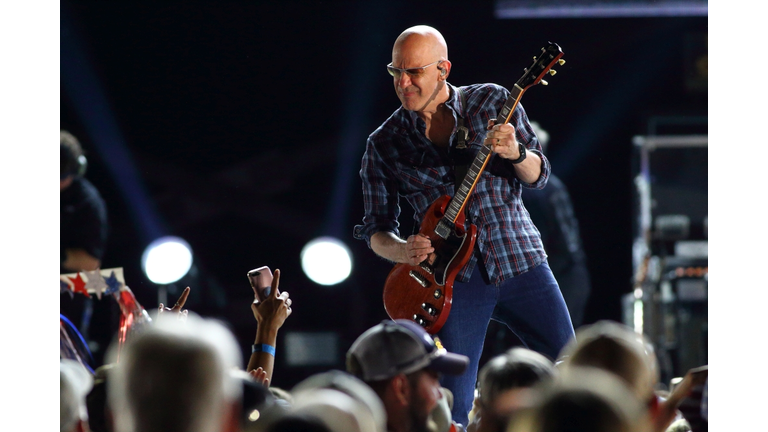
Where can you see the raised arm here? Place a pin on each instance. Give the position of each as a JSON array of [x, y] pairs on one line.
[[502, 141], [270, 316]]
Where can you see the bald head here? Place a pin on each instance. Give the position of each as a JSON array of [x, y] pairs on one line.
[[423, 50], [423, 40]]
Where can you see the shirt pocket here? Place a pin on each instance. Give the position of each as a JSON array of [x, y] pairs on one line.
[[478, 127]]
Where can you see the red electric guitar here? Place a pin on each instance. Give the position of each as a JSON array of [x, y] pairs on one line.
[[423, 292]]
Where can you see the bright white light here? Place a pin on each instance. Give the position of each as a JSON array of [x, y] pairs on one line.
[[326, 261], [166, 260]]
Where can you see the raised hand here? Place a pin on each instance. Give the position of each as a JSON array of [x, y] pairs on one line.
[[260, 376], [177, 307], [668, 409], [273, 311]]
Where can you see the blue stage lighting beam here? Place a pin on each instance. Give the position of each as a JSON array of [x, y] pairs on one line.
[[363, 81], [82, 86]]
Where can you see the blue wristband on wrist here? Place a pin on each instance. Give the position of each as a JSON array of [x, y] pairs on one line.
[[263, 348]]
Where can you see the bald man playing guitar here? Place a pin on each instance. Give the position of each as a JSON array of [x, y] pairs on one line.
[[496, 267]]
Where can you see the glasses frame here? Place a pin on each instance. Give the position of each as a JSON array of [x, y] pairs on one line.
[[396, 71]]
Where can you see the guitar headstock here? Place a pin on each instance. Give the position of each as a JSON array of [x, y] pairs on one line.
[[542, 64]]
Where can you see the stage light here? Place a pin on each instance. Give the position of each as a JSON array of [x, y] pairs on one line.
[[166, 260], [326, 261]]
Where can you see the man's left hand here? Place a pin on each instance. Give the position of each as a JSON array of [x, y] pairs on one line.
[[501, 139]]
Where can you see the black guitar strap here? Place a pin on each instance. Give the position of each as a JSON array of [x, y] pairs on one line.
[[461, 164], [461, 158]]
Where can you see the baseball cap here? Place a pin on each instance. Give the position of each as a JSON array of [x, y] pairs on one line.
[[400, 346]]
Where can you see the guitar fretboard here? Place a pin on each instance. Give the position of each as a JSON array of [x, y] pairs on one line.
[[462, 193]]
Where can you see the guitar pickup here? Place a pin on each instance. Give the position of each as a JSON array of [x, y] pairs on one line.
[[420, 279], [431, 310], [443, 230]]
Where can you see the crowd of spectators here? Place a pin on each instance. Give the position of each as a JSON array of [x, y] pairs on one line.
[[184, 373]]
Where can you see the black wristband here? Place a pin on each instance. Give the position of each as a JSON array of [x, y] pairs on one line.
[[521, 149]]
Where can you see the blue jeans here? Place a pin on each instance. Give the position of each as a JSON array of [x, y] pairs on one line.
[[530, 304]]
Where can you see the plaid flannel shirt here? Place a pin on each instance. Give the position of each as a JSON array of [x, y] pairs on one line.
[[400, 160]]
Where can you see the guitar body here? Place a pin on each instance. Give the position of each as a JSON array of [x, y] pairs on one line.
[[423, 292]]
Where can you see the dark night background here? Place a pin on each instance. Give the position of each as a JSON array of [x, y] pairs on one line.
[[240, 126]]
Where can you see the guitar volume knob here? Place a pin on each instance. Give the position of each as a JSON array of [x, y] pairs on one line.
[[419, 320], [429, 308]]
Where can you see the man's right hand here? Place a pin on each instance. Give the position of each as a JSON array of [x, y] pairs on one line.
[[417, 248], [411, 251]]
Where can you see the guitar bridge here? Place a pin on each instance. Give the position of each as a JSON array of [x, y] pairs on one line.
[[419, 278]]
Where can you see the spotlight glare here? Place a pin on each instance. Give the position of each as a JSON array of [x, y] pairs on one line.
[[166, 260], [326, 261]]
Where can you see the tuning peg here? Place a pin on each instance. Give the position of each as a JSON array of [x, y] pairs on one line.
[[544, 82], [534, 58], [552, 72], [561, 62]]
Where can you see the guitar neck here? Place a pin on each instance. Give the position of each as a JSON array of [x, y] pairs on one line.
[[461, 196]]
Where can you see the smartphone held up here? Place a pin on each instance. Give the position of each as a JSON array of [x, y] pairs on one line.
[[261, 282]]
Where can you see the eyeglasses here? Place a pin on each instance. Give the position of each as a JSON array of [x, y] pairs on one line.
[[412, 72]]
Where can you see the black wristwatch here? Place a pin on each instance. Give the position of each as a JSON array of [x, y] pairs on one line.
[[521, 149]]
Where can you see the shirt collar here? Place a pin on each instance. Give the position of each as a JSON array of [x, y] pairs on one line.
[[452, 102]]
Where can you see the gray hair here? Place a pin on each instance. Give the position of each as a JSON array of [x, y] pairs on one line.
[[175, 376]]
